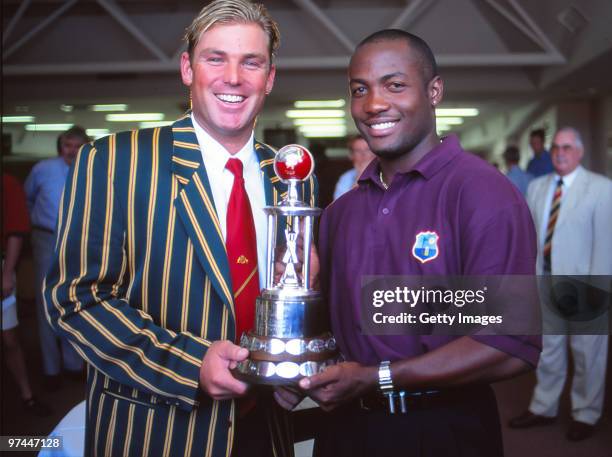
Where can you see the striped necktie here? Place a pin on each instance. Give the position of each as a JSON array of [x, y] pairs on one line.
[[552, 220]]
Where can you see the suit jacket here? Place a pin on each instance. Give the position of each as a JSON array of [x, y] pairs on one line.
[[582, 240], [140, 284]]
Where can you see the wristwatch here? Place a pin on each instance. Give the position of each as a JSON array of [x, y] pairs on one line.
[[385, 382]]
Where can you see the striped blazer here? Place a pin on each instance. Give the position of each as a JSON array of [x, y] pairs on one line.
[[140, 284]]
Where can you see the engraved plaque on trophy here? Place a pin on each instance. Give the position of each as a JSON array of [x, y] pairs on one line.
[[291, 337]]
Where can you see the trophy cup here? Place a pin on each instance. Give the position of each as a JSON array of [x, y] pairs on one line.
[[291, 337]]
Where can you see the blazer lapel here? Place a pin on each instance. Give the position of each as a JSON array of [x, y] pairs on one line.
[[196, 209], [274, 188]]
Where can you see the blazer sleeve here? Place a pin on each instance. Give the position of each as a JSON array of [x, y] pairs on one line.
[[86, 299]]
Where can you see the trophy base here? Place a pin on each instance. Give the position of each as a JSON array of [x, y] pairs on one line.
[[278, 373], [284, 361]]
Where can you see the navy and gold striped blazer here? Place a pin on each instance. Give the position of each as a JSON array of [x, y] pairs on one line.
[[140, 284]]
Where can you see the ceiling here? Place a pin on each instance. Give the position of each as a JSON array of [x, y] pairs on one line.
[[496, 55]]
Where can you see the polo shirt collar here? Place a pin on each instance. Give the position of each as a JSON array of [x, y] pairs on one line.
[[428, 166]]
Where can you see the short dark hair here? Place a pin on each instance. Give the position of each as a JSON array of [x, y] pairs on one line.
[[426, 57], [538, 132], [76, 131], [512, 154]]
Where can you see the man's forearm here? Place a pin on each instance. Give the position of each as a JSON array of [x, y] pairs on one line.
[[460, 362]]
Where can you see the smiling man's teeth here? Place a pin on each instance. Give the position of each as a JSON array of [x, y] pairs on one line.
[[384, 125], [230, 98]]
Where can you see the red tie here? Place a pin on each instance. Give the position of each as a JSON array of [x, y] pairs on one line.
[[241, 244]]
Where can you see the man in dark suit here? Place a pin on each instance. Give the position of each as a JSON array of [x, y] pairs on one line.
[[160, 254]]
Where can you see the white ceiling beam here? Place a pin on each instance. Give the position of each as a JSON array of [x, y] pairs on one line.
[[517, 23], [525, 59], [409, 14], [319, 15], [548, 45], [287, 63], [37, 29], [119, 15], [9, 28]]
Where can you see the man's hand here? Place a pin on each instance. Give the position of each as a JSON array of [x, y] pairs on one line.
[[288, 397], [215, 376], [340, 383]]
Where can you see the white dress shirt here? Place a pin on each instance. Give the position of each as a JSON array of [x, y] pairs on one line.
[[215, 157], [567, 182]]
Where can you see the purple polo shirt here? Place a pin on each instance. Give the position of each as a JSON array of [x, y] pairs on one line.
[[483, 225]]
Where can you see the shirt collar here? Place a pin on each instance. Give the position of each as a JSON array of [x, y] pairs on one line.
[[428, 166], [215, 155], [569, 178]]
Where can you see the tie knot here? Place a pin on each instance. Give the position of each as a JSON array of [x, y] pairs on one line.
[[560, 182], [235, 166]]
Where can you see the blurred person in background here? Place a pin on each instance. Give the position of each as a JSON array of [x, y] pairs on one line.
[[15, 225], [44, 187], [572, 211], [360, 155], [541, 163], [515, 174]]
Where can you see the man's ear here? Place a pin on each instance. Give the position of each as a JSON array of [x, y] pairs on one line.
[[270, 79], [186, 70], [435, 90]]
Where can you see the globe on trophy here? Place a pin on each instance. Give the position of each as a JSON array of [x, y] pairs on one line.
[[291, 337]]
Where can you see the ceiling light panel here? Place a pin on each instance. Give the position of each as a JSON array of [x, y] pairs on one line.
[[109, 107], [47, 127], [135, 117], [320, 103], [465, 112], [17, 119], [313, 113]]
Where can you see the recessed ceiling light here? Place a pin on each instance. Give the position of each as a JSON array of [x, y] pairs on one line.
[[466, 112], [320, 103], [449, 120], [324, 134], [47, 127], [322, 128], [67, 108], [146, 125], [97, 133], [315, 121], [109, 107], [18, 119], [325, 113], [135, 117]]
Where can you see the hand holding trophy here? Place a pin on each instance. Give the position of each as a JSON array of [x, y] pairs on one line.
[[291, 338]]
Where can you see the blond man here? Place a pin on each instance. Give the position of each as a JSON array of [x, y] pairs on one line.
[[144, 282]]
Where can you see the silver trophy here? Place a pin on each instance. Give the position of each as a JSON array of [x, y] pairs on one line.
[[291, 338]]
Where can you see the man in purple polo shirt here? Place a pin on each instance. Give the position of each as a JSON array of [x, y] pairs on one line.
[[477, 223]]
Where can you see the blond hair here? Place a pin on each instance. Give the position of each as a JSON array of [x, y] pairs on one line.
[[233, 12]]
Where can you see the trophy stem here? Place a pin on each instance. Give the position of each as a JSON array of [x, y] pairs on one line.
[[307, 242], [292, 193]]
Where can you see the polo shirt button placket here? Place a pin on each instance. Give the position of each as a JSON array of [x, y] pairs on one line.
[[385, 211]]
